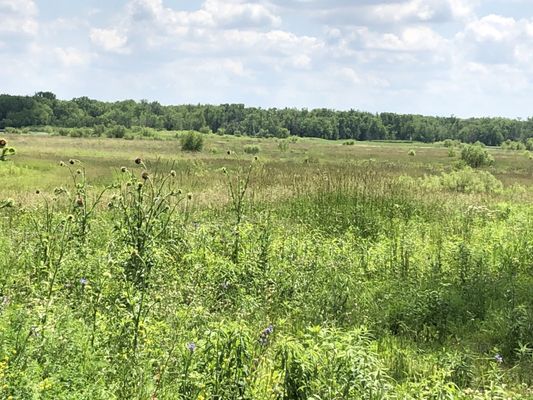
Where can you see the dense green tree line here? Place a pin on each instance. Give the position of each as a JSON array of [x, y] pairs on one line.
[[45, 109]]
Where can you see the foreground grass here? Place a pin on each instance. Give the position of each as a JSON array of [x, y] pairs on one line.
[[314, 273]]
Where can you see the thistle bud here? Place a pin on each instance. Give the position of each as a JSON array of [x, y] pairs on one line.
[[138, 161], [145, 175], [3, 143]]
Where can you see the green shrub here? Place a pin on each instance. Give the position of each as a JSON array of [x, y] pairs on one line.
[[512, 145], [192, 141], [205, 130], [283, 145], [476, 156], [448, 143], [349, 143], [117, 131], [13, 131], [466, 180], [252, 149]]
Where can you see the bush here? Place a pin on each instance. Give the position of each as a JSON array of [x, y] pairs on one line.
[[13, 131], [252, 149], [283, 145], [117, 131], [205, 129], [476, 156], [512, 145], [466, 180], [349, 143], [192, 141]]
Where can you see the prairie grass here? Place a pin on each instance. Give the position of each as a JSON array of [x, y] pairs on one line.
[[218, 276]]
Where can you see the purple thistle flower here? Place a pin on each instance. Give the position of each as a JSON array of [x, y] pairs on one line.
[[498, 358], [84, 281], [191, 347]]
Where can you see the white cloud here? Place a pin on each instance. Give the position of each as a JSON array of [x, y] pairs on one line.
[[71, 57], [18, 17], [109, 40]]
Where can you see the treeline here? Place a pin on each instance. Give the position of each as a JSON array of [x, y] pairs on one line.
[[45, 109]]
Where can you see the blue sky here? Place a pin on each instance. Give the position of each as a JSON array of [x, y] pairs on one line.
[[434, 57]]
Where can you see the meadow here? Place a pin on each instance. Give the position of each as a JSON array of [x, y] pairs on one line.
[[263, 269]]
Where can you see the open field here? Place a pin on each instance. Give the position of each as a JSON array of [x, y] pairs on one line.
[[318, 271]]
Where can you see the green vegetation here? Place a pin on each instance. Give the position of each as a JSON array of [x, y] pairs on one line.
[[133, 270], [475, 155], [126, 119], [252, 149], [192, 141]]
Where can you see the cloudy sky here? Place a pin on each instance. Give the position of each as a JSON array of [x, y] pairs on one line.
[[436, 57]]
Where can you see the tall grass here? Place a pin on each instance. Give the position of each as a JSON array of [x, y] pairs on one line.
[[350, 284]]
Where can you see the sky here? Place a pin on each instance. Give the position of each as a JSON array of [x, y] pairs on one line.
[[433, 57]]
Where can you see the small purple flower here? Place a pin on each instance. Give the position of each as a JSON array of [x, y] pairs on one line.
[[268, 330], [498, 358], [263, 338], [83, 281], [191, 347]]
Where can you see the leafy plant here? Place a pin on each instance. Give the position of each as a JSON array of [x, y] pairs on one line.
[[192, 141]]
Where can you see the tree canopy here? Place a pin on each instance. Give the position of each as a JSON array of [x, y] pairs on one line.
[[44, 108]]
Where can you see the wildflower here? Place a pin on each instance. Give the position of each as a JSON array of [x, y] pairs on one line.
[[79, 202], [61, 164], [229, 152], [498, 358], [139, 185], [71, 161], [37, 191], [263, 338], [145, 175], [70, 218], [138, 161], [83, 281], [189, 196], [268, 330], [3, 143], [191, 347], [172, 173], [123, 169], [78, 171]]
